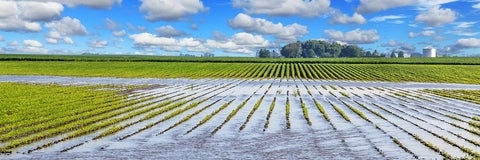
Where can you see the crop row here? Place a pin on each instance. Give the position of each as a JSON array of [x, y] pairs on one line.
[[84, 119], [466, 95], [278, 70]]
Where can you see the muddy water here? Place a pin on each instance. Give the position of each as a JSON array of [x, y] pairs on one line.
[[334, 139]]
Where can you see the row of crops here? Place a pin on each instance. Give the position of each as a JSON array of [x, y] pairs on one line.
[[138, 58], [365, 72], [466, 95], [31, 113], [388, 122]]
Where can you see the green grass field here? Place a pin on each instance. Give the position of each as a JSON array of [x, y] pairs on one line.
[[134, 58], [369, 72]]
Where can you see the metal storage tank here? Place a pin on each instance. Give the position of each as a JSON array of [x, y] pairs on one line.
[[429, 52]]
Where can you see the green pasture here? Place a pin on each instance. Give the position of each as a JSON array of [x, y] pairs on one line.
[[135, 58], [368, 72]]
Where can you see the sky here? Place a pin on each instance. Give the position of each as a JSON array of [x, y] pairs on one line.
[[235, 27]]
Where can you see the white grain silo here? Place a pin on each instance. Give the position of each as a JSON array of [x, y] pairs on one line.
[[429, 52]]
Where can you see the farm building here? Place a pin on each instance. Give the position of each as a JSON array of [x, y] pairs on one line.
[[429, 52]]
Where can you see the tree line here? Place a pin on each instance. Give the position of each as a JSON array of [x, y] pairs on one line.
[[318, 49]]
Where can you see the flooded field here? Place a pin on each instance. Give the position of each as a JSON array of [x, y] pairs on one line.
[[271, 119]]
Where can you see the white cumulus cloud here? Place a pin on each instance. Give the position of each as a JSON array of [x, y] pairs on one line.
[[51, 40], [95, 43], [356, 36], [249, 39], [29, 46], [39, 11], [468, 43], [425, 33], [464, 29], [429, 3], [244, 43], [24, 16], [386, 18], [67, 26], [8, 8], [68, 40], [13, 24], [169, 10], [169, 31], [60, 30], [370, 6], [476, 6], [148, 40], [262, 26], [32, 43], [399, 46], [338, 17], [119, 33], [436, 16], [111, 24], [428, 33], [239, 43], [305, 8], [100, 4], [464, 25]]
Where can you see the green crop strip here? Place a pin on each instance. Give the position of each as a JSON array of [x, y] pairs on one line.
[[287, 112], [341, 112], [322, 110], [270, 111], [433, 147], [357, 111], [305, 113], [345, 94], [17, 110], [453, 70], [465, 95], [231, 115], [210, 116], [178, 110], [234, 112], [255, 108]]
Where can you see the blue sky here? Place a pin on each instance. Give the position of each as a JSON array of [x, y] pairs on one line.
[[235, 27]]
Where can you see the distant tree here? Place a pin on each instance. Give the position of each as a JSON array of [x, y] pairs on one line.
[[325, 55], [416, 54], [206, 54], [351, 51], [292, 50], [401, 54], [319, 48], [335, 49], [264, 53], [375, 53], [369, 54], [186, 55], [275, 54], [310, 54], [393, 55]]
